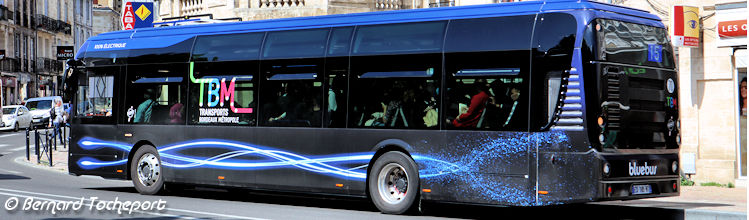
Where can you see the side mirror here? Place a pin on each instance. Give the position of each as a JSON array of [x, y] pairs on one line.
[[20, 113]]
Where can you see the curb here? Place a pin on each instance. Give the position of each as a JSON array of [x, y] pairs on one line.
[[697, 214], [23, 161]]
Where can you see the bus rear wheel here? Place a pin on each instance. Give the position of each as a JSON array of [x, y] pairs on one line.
[[145, 171], [393, 183]]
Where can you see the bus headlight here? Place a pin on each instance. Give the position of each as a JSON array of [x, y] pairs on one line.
[[602, 138], [678, 139], [671, 124], [606, 169], [674, 166]]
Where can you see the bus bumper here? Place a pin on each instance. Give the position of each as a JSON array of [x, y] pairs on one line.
[[635, 176]]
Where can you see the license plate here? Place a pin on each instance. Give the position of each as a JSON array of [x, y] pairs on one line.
[[641, 189]]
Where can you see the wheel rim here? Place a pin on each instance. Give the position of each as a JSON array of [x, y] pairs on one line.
[[148, 169], [392, 183]]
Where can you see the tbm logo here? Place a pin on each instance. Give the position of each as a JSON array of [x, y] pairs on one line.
[[218, 92], [645, 170]]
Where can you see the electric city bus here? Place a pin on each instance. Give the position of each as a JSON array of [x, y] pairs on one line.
[[513, 104]]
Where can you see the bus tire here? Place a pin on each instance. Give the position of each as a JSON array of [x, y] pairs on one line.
[[393, 170], [145, 170]]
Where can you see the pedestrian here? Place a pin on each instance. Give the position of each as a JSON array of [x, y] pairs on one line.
[[57, 118]]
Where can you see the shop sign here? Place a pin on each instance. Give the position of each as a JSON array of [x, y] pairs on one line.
[[137, 14], [686, 26], [731, 25], [9, 82], [128, 17], [65, 52], [732, 28]]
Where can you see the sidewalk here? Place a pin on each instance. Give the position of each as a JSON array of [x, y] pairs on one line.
[[59, 158]]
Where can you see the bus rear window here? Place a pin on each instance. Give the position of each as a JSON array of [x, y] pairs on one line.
[[631, 43]]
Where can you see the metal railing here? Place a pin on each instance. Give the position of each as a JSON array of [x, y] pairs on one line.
[[51, 24], [438, 4], [10, 64], [48, 65], [5, 13], [45, 142]]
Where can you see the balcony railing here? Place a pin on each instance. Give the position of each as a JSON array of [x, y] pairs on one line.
[[388, 5], [48, 65], [51, 24], [281, 3], [5, 13], [10, 65], [437, 4]]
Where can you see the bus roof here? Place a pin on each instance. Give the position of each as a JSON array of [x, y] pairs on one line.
[[165, 36]]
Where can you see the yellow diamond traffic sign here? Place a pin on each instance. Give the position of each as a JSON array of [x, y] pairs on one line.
[[142, 12]]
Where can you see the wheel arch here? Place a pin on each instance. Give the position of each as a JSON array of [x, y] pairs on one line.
[[388, 146], [130, 154]]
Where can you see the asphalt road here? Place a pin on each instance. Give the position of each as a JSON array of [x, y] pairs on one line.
[[24, 188]]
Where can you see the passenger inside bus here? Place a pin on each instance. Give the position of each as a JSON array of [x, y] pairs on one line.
[[143, 113], [475, 113], [486, 104], [401, 104]]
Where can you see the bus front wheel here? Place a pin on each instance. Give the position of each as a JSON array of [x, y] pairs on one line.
[[145, 170], [393, 183]]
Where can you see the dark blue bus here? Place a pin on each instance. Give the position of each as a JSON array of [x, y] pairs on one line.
[[521, 104]]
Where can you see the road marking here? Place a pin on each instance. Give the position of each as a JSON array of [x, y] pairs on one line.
[[6, 153], [168, 209], [4, 145], [10, 171], [22, 148], [8, 135]]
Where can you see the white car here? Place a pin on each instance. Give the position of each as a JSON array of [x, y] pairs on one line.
[[40, 108], [15, 117]]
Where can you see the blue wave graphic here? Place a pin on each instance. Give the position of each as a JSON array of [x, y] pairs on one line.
[[236, 153]]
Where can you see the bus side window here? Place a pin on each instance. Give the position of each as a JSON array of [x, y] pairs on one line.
[[156, 94], [554, 43], [396, 71], [336, 77], [486, 85], [223, 93], [292, 78]]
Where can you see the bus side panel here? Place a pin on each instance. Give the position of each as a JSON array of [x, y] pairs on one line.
[[84, 157], [567, 177], [476, 166]]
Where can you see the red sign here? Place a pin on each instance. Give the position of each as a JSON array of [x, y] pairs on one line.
[[732, 28], [128, 17]]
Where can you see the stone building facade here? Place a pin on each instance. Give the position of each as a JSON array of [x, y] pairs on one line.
[[30, 31], [270, 9], [713, 129], [106, 19], [83, 21]]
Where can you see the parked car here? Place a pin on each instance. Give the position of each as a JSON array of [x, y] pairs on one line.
[[40, 108], [15, 117]]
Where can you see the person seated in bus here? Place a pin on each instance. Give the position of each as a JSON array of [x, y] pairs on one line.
[[513, 111], [309, 111], [471, 118], [399, 110], [144, 110], [273, 110], [175, 114], [498, 98]]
